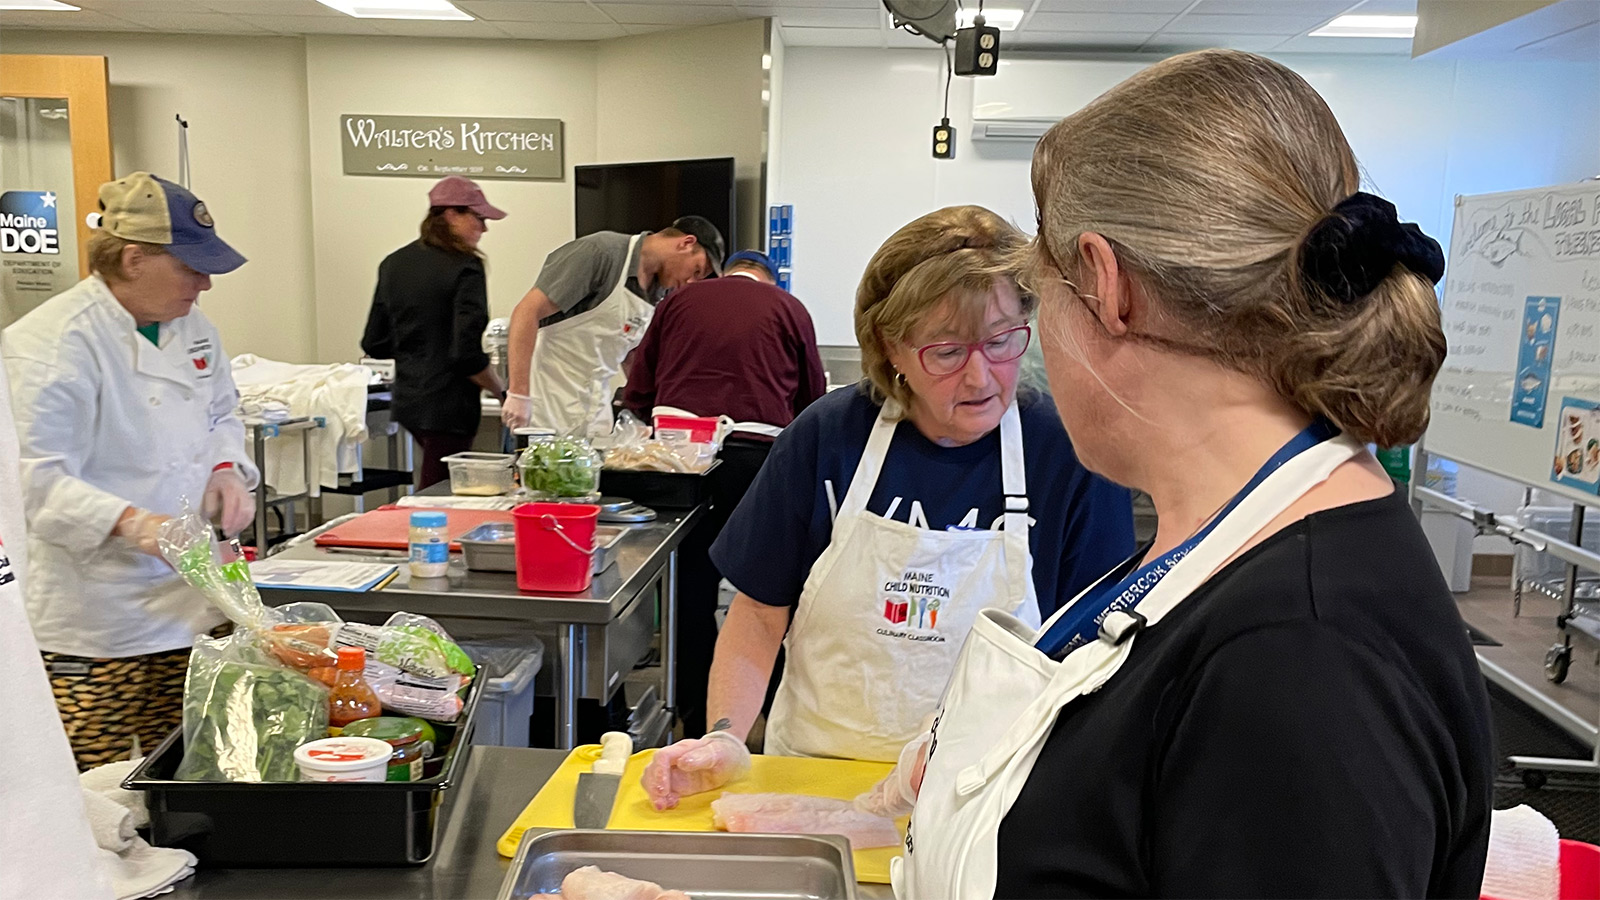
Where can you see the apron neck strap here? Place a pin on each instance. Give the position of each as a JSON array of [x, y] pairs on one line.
[[1013, 477]]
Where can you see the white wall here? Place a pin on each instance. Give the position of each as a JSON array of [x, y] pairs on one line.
[[1424, 132], [245, 101], [693, 94], [358, 220]]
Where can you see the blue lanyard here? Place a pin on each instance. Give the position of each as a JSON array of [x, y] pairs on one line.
[[1081, 623]]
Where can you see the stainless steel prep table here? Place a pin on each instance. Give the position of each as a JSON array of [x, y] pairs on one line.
[[601, 633], [499, 782]]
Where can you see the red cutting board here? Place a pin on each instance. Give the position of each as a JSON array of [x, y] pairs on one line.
[[389, 528]]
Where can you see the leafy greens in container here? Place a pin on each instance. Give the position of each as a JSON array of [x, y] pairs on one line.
[[560, 467], [244, 713]]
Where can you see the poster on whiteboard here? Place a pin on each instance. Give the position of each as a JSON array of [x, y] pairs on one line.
[[1519, 393]]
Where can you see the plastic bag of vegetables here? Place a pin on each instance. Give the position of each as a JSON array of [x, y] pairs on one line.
[[244, 713]]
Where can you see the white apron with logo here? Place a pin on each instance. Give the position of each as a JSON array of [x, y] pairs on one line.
[[576, 359], [885, 609], [1004, 696]]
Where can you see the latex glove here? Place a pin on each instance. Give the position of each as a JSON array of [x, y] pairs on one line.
[[142, 528], [896, 794], [228, 502], [516, 410], [693, 766]]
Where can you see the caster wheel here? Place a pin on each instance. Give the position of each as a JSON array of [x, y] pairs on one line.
[[1533, 780], [1556, 663]]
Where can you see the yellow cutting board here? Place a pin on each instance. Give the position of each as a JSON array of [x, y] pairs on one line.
[[839, 778]]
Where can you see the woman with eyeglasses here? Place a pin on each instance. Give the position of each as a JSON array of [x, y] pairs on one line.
[[889, 515], [428, 315]]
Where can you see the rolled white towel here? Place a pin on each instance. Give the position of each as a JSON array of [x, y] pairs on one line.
[[107, 781], [110, 822], [1524, 860], [146, 871]]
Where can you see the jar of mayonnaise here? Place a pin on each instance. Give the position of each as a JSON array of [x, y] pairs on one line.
[[430, 544]]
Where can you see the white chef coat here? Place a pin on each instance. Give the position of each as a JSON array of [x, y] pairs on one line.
[[106, 419], [42, 817]]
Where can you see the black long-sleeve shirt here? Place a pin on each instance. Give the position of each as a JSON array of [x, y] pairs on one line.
[[1311, 722], [428, 315]]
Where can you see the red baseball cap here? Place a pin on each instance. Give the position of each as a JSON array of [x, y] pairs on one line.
[[457, 191]]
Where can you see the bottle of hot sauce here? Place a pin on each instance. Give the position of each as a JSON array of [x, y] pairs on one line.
[[351, 698]]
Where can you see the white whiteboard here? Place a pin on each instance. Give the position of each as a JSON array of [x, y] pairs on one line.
[[1519, 394]]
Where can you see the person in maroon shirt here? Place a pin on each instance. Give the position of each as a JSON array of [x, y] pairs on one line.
[[735, 346]]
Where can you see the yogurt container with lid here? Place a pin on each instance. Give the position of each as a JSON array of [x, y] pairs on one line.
[[344, 759]]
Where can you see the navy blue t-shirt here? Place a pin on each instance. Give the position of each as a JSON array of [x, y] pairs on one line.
[[1082, 524]]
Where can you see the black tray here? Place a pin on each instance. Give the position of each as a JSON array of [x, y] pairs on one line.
[[389, 823], [659, 490]]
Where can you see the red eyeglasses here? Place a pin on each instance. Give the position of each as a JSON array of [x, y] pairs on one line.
[[950, 357]]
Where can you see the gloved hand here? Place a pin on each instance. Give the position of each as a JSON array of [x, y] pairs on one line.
[[896, 794], [693, 766], [141, 527], [516, 410], [228, 502]]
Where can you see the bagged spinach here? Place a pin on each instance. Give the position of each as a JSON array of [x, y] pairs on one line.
[[244, 713]]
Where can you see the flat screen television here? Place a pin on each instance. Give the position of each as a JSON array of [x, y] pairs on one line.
[[635, 197]]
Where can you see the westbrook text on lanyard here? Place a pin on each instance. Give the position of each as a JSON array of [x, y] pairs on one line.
[[1081, 623]]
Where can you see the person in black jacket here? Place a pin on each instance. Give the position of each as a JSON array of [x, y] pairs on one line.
[[428, 315]]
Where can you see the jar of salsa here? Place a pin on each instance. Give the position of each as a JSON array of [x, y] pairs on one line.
[[405, 735]]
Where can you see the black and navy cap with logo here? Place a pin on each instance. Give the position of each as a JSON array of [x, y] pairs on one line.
[[751, 256], [707, 236], [141, 207]]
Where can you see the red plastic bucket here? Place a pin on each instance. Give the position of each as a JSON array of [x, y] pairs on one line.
[[554, 543]]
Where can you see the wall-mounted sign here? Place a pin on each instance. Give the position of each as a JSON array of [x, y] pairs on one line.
[[436, 146], [33, 267]]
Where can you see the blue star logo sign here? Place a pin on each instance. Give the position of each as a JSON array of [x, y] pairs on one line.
[[48, 199], [28, 223]]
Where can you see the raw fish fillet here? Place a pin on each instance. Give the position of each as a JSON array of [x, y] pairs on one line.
[[802, 814], [592, 883]]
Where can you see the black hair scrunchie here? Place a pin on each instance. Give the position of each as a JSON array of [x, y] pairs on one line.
[[1349, 253]]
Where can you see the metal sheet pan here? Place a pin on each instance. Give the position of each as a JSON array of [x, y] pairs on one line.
[[706, 866]]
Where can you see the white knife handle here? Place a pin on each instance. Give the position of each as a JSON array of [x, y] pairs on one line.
[[615, 748]]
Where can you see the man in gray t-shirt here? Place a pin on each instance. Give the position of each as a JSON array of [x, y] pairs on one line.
[[592, 300]]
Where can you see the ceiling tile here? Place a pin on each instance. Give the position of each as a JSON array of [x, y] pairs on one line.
[[1077, 40], [130, 8], [1285, 26], [671, 13], [70, 21], [530, 11], [1167, 7], [335, 24], [1169, 42], [438, 29], [1325, 8], [1097, 22], [794, 36], [560, 31], [1387, 8], [210, 23], [800, 17], [272, 8], [769, 5]]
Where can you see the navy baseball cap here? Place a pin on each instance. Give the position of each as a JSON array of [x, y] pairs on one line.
[[141, 207], [752, 256]]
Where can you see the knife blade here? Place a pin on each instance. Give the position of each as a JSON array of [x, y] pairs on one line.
[[597, 789]]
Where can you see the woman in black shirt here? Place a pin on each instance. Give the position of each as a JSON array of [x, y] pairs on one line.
[[428, 315], [1277, 697]]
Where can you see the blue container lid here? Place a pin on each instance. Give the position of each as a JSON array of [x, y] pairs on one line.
[[429, 519]]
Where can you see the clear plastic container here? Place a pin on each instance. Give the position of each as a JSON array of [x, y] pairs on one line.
[[475, 474], [430, 544], [560, 468]]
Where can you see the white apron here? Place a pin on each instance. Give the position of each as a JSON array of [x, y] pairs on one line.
[[1005, 694], [575, 360], [884, 612]]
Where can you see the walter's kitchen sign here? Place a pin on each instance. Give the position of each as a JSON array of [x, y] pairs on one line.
[[436, 146]]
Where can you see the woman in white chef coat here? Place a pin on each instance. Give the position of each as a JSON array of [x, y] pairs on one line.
[[125, 409], [888, 515], [1277, 697]]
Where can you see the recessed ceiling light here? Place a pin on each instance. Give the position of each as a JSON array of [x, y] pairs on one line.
[[1003, 19], [766, 61], [51, 5], [1369, 27], [398, 9]]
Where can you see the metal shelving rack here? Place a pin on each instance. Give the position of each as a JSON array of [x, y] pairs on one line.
[[260, 431]]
